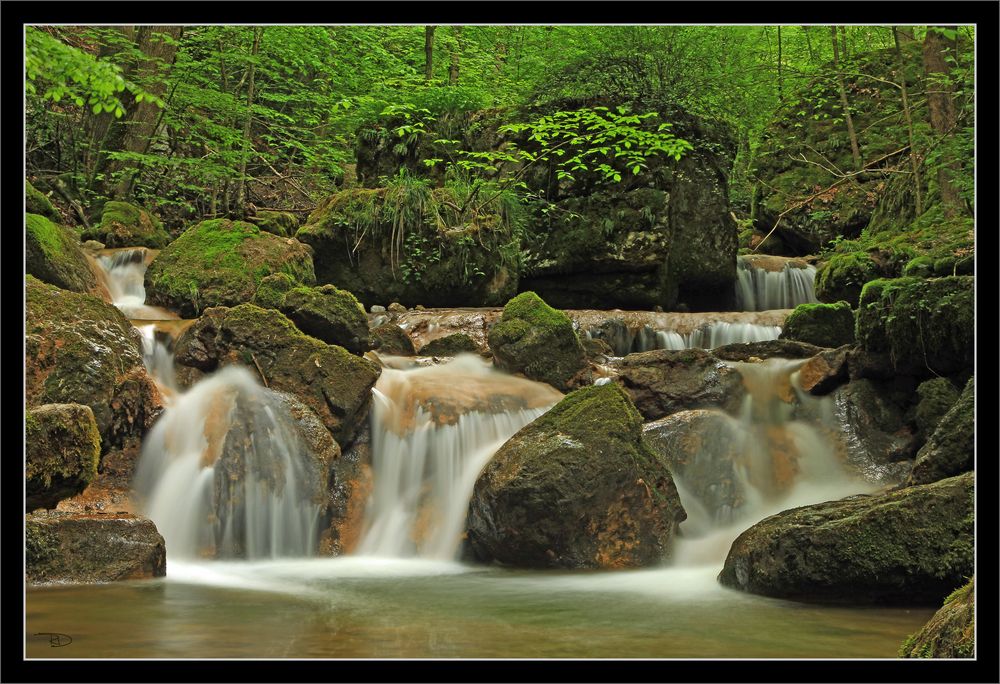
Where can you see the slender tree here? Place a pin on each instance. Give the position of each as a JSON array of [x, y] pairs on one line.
[[914, 159], [429, 52], [855, 150], [247, 144], [941, 109]]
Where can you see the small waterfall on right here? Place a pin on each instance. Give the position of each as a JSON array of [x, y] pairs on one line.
[[766, 282]]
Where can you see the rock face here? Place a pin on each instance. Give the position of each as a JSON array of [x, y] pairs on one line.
[[951, 632], [768, 349], [280, 223], [79, 548], [221, 263], [576, 488], [385, 245], [328, 314], [36, 202], [450, 345], [937, 396], [951, 448], [927, 326], [390, 339], [875, 433], [911, 546], [62, 450], [126, 225], [78, 349], [52, 254], [326, 378], [537, 340], [662, 382], [825, 325], [824, 372]]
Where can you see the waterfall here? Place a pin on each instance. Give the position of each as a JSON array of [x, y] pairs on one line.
[[224, 473], [761, 288], [433, 431], [624, 340], [158, 355], [122, 272]]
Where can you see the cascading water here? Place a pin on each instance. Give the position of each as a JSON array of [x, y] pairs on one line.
[[224, 473], [123, 272], [761, 288], [433, 431], [711, 335]]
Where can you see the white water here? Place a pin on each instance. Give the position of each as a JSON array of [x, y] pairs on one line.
[[433, 431], [758, 289], [124, 270], [223, 473], [709, 336], [158, 356]]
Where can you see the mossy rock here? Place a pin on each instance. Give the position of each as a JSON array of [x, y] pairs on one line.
[[280, 223], [912, 546], [52, 253], [391, 340], [919, 267], [825, 325], [327, 378], [329, 314], [62, 449], [271, 292], [842, 276], [81, 350], [951, 447], [35, 202], [937, 396], [126, 225], [450, 345], [533, 338], [576, 488], [926, 326], [221, 263], [91, 548], [951, 631]]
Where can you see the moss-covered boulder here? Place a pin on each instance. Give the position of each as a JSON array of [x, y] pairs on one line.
[[327, 378], [62, 449], [537, 340], [841, 277], [65, 547], [271, 292], [951, 632], [767, 349], [126, 225], [280, 223], [52, 253], [951, 448], [81, 350], [576, 488], [36, 202], [825, 325], [450, 345], [913, 546], [329, 314], [221, 263], [927, 326], [936, 397], [663, 381], [391, 340]]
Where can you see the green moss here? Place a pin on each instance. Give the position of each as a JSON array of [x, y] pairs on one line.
[[842, 277], [330, 314], [126, 225], [280, 223], [825, 325], [937, 396], [921, 267], [46, 234], [532, 309], [271, 292], [37, 203], [62, 450]]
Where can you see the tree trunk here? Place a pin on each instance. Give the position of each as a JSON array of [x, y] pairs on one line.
[[780, 98], [942, 115], [914, 161], [843, 42], [855, 150], [904, 34], [429, 52], [242, 192], [455, 53], [809, 45]]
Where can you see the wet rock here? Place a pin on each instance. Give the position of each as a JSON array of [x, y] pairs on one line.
[[350, 487], [377, 308], [913, 546], [951, 448], [824, 372], [36, 202], [597, 350], [768, 349], [396, 307], [221, 263], [874, 431], [576, 488], [825, 325], [52, 253], [450, 345], [926, 326], [392, 340], [662, 382], [537, 340], [62, 449], [937, 396], [90, 548], [951, 632], [280, 223], [328, 379], [126, 225], [328, 314]]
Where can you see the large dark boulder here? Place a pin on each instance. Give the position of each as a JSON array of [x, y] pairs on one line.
[[62, 449], [537, 340], [91, 548], [825, 325], [576, 488], [875, 432], [937, 396], [221, 263], [52, 253], [768, 349], [327, 378], [951, 632], [663, 381], [126, 225], [450, 345], [951, 448], [841, 277], [389, 339], [329, 314], [913, 546]]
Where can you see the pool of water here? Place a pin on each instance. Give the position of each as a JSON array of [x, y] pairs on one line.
[[380, 608]]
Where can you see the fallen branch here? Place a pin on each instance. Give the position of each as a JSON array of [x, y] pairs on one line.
[[264, 379]]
